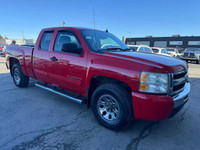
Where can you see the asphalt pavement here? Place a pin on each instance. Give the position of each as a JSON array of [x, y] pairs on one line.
[[32, 118]]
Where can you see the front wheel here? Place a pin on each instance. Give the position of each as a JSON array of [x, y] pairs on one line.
[[197, 61], [112, 106], [19, 78]]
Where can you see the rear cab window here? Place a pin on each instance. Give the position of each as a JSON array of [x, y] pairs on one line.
[[46, 39]]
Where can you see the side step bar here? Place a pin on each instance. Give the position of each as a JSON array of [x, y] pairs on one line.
[[60, 93]]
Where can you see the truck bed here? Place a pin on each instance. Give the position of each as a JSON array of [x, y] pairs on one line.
[[24, 55]]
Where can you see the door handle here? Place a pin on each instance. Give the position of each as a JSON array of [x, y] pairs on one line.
[[53, 59]]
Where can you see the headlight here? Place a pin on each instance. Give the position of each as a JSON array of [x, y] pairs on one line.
[[154, 82]]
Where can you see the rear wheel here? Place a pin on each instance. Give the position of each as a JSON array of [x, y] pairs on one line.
[[112, 106], [19, 78], [197, 61]]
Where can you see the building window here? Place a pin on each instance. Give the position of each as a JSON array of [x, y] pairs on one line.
[[160, 43], [176, 43], [193, 42], [147, 43]]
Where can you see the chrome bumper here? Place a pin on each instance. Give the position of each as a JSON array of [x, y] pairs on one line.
[[182, 97]]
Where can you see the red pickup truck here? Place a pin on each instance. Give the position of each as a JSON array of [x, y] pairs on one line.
[[94, 67]]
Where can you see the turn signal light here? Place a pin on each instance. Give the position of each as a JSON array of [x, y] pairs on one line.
[[143, 87]]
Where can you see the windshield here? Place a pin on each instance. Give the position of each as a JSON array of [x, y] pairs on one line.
[[192, 49], [99, 40], [134, 48], [171, 50]]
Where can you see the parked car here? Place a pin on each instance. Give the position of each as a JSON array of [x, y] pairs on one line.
[[173, 52], [95, 67], [141, 48], [192, 54], [160, 51], [2, 49]]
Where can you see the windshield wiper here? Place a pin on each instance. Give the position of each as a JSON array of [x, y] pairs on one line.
[[127, 49], [114, 48]]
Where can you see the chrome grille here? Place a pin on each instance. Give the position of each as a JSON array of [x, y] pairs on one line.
[[178, 82], [190, 55], [185, 54]]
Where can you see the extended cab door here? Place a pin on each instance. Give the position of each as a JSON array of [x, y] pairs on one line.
[[67, 70], [41, 55]]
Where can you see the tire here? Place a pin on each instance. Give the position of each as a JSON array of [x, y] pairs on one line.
[[197, 61], [112, 106], [18, 76]]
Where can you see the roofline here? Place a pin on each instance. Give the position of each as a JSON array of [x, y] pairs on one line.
[[77, 28], [162, 37]]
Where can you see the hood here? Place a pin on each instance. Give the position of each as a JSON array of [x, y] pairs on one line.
[[158, 61]]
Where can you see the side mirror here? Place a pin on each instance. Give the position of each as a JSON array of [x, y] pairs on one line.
[[71, 48]]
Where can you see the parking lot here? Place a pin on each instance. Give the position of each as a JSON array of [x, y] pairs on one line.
[[32, 118]]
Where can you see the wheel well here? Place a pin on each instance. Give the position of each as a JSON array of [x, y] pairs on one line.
[[96, 81], [12, 62]]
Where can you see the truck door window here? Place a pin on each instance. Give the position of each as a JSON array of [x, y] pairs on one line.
[[46, 39], [65, 37]]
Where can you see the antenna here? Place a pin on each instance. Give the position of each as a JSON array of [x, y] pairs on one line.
[[94, 27], [23, 36]]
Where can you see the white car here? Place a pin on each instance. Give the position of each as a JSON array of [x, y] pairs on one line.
[[160, 51], [141, 48], [173, 51], [2, 51]]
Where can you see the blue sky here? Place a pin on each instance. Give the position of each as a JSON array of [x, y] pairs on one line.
[[121, 17]]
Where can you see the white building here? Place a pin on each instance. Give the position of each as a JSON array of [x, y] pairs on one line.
[[20, 42]]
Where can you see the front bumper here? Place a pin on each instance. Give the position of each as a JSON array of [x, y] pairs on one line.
[[158, 107]]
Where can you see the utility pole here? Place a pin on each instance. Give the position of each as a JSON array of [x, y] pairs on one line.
[[129, 33], [94, 18], [63, 23], [23, 37]]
